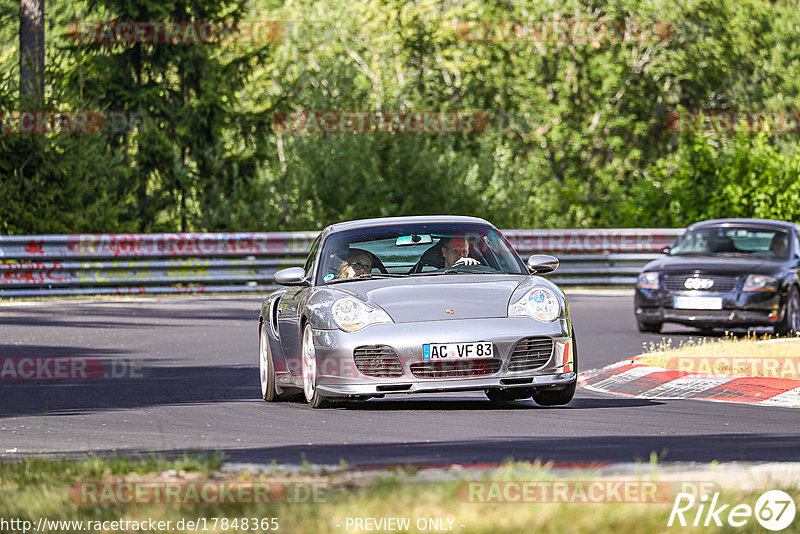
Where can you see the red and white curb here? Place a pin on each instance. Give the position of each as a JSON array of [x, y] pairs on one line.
[[635, 379]]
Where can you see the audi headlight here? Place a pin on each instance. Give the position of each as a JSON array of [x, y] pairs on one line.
[[351, 314], [647, 281], [760, 282], [539, 303]]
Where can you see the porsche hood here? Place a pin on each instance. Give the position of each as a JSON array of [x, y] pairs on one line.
[[465, 296]]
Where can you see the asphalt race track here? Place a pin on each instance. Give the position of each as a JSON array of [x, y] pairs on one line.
[[195, 387]]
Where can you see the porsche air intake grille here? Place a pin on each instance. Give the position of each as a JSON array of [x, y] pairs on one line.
[[377, 360], [719, 283], [455, 368], [530, 353]]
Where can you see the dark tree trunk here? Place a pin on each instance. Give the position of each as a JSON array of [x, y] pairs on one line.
[[31, 51]]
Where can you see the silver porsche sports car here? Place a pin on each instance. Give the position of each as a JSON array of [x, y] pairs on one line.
[[416, 305]]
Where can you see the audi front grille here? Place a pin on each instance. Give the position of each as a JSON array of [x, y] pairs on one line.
[[721, 283]]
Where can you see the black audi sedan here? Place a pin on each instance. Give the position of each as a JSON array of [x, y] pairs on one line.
[[727, 273]]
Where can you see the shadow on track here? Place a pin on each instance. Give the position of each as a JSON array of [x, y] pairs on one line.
[[159, 385], [444, 404], [108, 316], [595, 449]]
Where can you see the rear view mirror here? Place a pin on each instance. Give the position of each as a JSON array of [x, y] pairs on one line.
[[293, 276], [542, 264], [413, 239]]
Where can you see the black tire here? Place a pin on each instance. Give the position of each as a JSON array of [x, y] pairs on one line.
[[499, 396], [560, 397], [268, 390], [790, 324], [652, 328]]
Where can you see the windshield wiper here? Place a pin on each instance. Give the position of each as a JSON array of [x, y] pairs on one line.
[[693, 254], [742, 254], [368, 276]]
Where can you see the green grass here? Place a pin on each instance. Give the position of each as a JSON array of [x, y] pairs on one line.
[[34, 488]]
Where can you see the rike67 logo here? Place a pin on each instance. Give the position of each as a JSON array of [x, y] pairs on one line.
[[774, 510]]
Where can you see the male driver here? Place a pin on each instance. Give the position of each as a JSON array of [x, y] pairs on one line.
[[456, 252]]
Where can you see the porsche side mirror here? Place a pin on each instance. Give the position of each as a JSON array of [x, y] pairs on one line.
[[293, 276], [666, 250], [542, 264]]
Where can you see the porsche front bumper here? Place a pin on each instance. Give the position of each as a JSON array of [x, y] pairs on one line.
[[338, 375]]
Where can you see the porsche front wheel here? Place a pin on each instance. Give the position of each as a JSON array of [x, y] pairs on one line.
[[559, 397], [309, 370]]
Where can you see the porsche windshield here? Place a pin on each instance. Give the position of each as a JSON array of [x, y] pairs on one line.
[[733, 241], [416, 250]]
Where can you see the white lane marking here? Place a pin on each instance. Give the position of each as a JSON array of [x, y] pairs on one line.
[[588, 375], [686, 386], [625, 377], [789, 399]]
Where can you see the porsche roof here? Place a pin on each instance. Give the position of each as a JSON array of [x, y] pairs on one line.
[[415, 219]]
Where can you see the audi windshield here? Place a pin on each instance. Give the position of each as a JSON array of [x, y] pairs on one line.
[[733, 241]]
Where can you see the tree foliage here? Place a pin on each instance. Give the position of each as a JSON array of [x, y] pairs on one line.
[[579, 131]]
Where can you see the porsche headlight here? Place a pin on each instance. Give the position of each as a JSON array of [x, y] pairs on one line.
[[539, 303], [648, 281], [760, 282], [351, 314]]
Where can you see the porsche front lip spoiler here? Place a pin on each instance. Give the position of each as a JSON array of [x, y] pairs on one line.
[[551, 381]]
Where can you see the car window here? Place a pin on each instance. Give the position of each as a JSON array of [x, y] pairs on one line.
[[772, 244], [312, 255], [415, 249], [796, 245]]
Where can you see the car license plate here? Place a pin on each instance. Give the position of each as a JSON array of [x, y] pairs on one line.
[[698, 303], [453, 351]]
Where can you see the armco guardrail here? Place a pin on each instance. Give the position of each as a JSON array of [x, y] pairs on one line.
[[96, 264]]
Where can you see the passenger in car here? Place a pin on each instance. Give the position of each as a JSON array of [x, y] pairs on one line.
[[354, 263], [778, 245]]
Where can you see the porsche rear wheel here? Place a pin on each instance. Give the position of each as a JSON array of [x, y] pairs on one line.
[[266, 369], [309, 369]]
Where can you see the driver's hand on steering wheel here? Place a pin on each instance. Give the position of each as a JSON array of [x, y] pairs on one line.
[[467, 261]]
